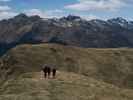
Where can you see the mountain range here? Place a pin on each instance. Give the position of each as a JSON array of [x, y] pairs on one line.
[[71, 30]]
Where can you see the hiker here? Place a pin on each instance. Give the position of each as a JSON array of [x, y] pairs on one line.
[[47, 71], [54, 72]]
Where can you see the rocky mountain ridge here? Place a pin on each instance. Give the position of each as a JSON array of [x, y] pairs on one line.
[[70, 30]]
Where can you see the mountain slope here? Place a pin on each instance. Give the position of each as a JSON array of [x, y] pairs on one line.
[[31, 86], [70, 30], [109, 65]]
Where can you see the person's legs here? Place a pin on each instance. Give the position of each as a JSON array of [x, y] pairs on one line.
[[45, 72], [49, 72], [54, 73]]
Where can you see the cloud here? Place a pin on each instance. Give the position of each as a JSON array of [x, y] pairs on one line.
[[89, 17], [55, 11], [4, 8], [5, 0], [44, 14], [32, 12], [7, 14], [96, 5]]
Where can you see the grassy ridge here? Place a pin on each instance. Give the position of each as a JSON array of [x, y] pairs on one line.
[[66, 86], [109, 65]]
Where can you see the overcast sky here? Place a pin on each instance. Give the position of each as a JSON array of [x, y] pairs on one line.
[[89, 9]]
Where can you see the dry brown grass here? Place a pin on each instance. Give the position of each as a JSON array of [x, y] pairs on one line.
[[87, 73], [66, 86]]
